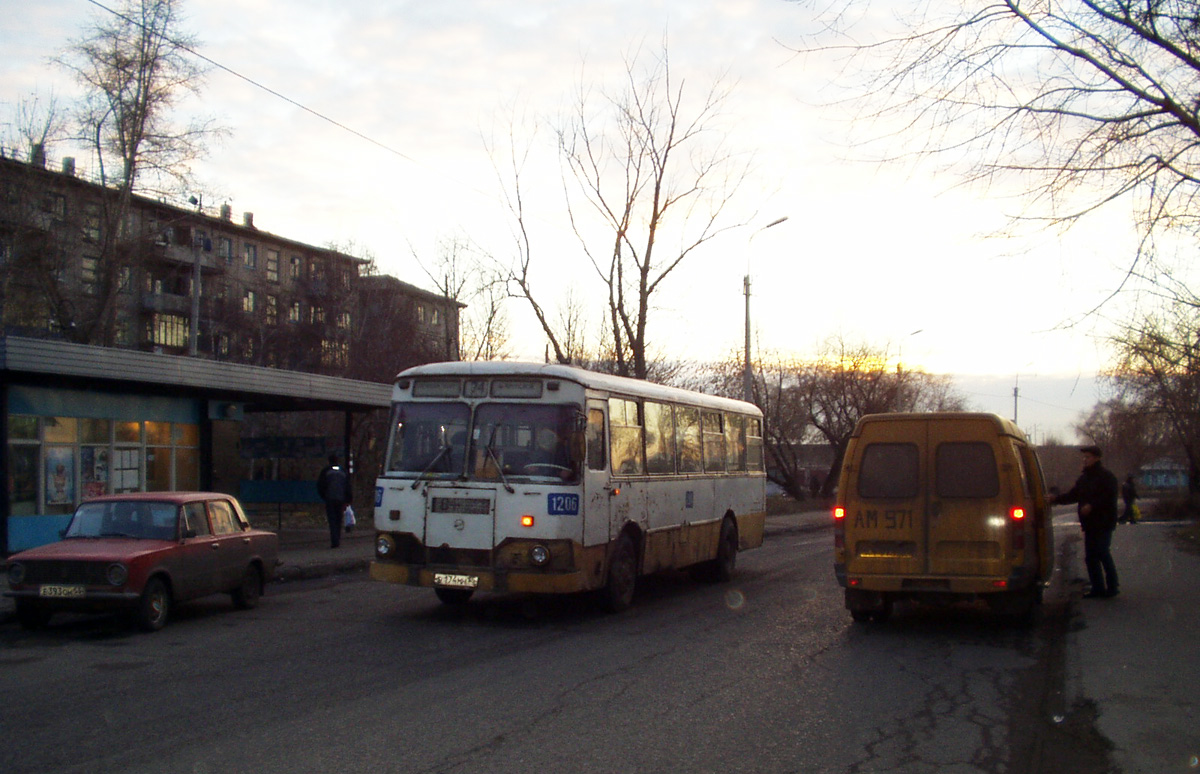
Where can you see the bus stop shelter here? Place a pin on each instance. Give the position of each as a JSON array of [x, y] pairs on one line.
[[81, 420]]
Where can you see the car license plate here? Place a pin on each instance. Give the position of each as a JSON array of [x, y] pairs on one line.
[[455, 581], [61, 591]]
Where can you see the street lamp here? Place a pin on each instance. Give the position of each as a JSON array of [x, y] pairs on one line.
[[747, 381]]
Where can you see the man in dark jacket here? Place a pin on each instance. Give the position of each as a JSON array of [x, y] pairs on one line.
[[1096, 493], [333, 486]]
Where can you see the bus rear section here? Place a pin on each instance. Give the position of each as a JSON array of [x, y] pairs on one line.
[[941, 507]]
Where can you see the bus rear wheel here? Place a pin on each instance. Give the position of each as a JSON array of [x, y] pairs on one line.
[[617, 594]]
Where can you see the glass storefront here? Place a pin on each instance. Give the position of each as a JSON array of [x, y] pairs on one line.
[[55, 462]]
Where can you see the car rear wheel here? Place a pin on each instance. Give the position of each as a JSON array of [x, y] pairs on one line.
[[245, 597], [32, 616], [154, 606]]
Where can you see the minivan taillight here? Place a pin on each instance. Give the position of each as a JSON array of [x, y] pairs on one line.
[[839, 528], [1017, 513]]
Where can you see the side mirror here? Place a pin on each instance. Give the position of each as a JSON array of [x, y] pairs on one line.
[[189, 533]]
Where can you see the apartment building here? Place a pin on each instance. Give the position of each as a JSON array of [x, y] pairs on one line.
[[79, 264]]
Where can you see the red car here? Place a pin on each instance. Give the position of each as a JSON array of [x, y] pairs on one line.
[[140, 554]]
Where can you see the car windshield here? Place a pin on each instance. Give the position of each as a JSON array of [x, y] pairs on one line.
[[145, 520]]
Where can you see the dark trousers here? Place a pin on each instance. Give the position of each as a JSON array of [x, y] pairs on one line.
[[1097, 557], [335, 513]]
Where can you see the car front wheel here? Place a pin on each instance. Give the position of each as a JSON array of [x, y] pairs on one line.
[[154, 606]]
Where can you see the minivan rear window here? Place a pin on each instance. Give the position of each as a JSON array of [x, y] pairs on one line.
[[889, 470], [966, 470]]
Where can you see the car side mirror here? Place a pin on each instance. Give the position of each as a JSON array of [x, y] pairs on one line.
[[189, 533]]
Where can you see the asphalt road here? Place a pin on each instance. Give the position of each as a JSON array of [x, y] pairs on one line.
[[766, 674]]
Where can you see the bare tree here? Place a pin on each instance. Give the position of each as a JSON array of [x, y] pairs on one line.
[[1083, 102], [135, 66], [1158, 372], [461, 275], [37, 123], [647, 180], [848, 381]]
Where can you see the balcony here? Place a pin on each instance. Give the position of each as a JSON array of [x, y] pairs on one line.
[[182, 255], [167, 303]]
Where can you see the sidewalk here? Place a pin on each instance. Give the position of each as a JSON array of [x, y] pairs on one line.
[[1135, 660]]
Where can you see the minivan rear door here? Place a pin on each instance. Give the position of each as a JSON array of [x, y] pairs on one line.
[[885, 530], [967, 510]]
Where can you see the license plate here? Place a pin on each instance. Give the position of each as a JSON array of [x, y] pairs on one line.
[[455, 581], [61, 591]]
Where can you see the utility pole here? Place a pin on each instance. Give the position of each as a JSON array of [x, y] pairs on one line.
[[747, 374]]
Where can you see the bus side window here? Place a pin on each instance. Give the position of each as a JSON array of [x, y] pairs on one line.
[[595, 440], [714, 441], [626, 440]]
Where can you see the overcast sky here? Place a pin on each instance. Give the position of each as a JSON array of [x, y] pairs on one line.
[[896, 257]]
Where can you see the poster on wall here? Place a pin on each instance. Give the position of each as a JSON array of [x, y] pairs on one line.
[[93, 470], [60, 475]]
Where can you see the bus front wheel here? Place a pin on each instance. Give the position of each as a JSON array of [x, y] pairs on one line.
[[617, 594]]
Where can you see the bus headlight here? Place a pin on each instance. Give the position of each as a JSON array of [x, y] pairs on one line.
[[385, 546], [539, 555], [116, 574]]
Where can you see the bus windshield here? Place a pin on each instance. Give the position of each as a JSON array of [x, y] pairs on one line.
[[507, 440], [524, 440], [429, 438]]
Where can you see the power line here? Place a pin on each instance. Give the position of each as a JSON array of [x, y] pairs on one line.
[[264, 87]]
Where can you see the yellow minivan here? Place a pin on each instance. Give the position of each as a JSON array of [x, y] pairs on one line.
[[941, 507]]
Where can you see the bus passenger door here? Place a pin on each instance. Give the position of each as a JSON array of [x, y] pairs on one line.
[[597, 486]]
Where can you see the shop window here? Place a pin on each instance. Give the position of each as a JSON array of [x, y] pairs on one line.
[[61, 430], [158, 433], [128, 432], [22, 428], [60, 479], [158, 469], [23, 479]]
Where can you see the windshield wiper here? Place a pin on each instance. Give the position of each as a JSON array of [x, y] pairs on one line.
[[117, 534], [491, 452], [436, 459]]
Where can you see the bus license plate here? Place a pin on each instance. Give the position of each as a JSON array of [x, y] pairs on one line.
[[61, 591], [455, 581]]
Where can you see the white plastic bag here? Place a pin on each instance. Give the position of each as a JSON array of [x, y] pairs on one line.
[[348, 518]]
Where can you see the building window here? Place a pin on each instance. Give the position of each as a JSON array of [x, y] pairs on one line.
[[225, 249], [435, 317], [272, 310], [272, 265], [169, 330], [317, 315], [91, 223], [296, 268], [248, 302], [124, 279], [421, 313], [343, 321], [294, 312], [89, 274], [334, 354], [56, 205], [250, 252]]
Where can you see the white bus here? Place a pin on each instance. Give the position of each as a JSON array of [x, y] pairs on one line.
[[517, 477]]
